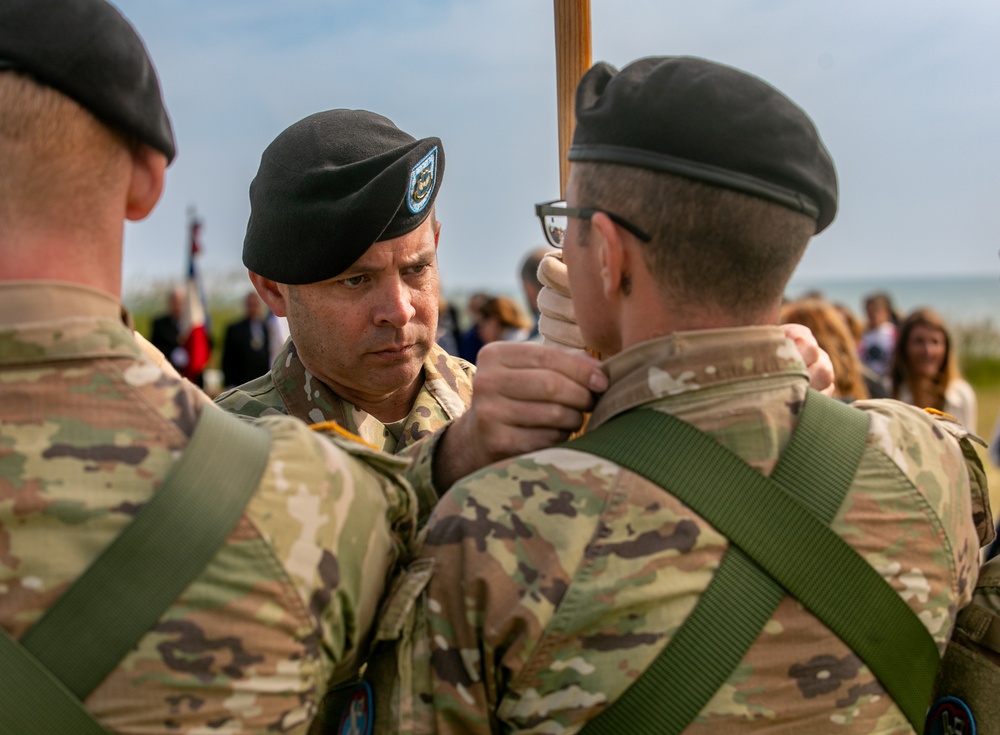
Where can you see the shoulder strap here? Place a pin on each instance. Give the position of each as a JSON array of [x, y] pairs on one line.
[[122, 594], [741, 598], [32, 700], [785, 537]]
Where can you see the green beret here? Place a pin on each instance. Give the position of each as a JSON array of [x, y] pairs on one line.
[[709, 122], [87, 51], [332, 185]]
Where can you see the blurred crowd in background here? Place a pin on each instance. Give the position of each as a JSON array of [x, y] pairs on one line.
[[879, 353]]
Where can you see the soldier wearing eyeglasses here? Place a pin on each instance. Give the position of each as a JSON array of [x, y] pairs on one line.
[[549, 584]]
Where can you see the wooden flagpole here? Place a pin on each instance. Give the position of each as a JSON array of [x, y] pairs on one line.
[[572, 22]]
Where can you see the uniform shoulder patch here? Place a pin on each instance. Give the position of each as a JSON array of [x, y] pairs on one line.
[[358, 715], [950, 716], [423, 177]]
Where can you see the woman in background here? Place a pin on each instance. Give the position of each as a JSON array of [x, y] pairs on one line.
[[833, 335], [503, 319], [925, 369]]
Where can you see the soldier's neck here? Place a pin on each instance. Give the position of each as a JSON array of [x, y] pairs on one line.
[[387, 408]]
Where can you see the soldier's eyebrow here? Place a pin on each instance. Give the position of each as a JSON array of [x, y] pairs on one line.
[[425, 256]]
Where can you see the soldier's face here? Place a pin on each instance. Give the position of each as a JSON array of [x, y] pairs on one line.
[[367, 332]]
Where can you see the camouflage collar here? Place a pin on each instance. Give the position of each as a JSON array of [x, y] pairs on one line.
[[25, 302], [685, 362], [52, 320], [445, 394]]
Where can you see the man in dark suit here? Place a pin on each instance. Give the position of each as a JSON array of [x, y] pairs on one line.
[[245, 354], [165, 334]]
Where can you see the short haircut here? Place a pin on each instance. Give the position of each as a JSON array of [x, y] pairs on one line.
[[711, 247], [51, 149]]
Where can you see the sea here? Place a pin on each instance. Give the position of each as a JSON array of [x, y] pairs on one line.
[[962, 301]]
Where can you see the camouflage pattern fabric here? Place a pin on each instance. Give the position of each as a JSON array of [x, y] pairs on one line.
[[291, 389], [88, 430], [548, 583]]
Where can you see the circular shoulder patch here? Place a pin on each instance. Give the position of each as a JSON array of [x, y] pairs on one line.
[[359, 713], [950, 716]]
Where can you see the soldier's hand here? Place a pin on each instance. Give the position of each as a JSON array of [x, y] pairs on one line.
[[525, 397], [557, 318], [817, 361]]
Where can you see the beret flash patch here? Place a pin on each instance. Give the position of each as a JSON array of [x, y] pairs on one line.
[[423, 176]]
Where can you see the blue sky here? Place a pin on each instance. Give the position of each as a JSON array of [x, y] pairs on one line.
[[904, 92]]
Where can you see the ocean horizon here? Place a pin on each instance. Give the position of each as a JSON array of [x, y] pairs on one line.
[[960, 300]]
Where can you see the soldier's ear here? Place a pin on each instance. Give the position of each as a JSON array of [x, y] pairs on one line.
[[146, 183], [613, 260], [271, 292]]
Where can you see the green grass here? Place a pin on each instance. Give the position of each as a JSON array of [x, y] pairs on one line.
[[988, 397], [980, 361], [982, 372]]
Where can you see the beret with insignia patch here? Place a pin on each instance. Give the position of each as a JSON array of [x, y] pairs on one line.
[[332, 185], [705, 121]]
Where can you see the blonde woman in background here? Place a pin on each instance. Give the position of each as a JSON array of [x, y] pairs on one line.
[[834, 336], [878, 386], [925, 369]]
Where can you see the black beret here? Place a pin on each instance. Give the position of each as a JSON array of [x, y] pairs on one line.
[[332, 185], [709, 122], [86, 50]]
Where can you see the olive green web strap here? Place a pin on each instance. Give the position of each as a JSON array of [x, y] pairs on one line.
[[122, 594], [780, 543]]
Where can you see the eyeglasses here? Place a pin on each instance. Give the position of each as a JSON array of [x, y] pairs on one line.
[[555, 215]]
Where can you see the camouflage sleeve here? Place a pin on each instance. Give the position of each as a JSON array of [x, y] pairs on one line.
[[506, 542], [937, 456], [339, 519], [420, 472], [981, 512]]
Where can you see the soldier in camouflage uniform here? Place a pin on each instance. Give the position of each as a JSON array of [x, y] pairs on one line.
[[548, 583], [370, 364], [342, 239], [89, 427]]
